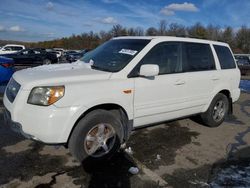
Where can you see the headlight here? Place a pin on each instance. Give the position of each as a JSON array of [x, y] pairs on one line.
[[45, 96]]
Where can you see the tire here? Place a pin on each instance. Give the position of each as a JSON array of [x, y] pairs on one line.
[[46, 62], [209, 117], [86, 140]]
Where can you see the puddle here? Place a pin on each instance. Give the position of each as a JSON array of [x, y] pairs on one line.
[[24, 165], [109, 173], [244, 107], [164, 141], [239, 142], [197, 177], [245, 85], [232, 119]]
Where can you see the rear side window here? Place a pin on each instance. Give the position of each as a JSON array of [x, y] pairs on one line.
[[225, 57], [16, 48], [197, 57]]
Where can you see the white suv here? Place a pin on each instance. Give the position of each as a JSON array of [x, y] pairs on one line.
[[11, 48], [92, 105]]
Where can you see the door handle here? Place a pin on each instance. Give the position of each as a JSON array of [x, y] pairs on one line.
[[215, 78], [180, 82]]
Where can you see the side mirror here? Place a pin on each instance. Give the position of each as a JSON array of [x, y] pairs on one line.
[[149, 70]]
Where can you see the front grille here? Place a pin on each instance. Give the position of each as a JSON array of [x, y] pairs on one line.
[[12, 90]]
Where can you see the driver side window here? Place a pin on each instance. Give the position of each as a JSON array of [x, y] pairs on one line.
[[7, 49], [166, 55]]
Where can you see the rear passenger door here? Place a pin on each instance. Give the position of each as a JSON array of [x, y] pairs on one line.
[[229, 73], [200, 74]]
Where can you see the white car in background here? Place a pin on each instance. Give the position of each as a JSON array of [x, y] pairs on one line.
[[59, 51], [11, 48]]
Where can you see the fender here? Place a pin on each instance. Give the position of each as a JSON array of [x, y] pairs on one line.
[[215, 92]]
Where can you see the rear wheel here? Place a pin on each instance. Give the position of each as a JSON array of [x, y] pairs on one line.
[[216, 112], [97, 136]]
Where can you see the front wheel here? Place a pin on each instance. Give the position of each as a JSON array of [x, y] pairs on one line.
[[97, 136], [46, 62], [216, 112]]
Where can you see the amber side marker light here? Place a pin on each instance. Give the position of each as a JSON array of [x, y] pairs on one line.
[[127, 91]]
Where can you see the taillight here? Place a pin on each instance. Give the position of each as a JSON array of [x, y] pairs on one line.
[[7, 65]]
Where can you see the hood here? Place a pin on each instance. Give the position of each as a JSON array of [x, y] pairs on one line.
[[58, 74]]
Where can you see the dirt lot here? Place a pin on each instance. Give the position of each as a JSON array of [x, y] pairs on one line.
[[176, 154]]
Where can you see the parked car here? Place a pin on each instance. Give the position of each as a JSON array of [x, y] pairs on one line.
[[126, 83], [73, 56], [242, 60], [32, 57], [60, 51], [11, 48], [6, 69], [58, 54]]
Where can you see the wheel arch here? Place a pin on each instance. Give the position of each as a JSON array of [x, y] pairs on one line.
[[114, 108], [225, 92]]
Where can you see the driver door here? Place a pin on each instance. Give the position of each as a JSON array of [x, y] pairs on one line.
[[162, 97]]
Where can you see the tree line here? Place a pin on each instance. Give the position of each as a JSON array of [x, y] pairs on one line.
[[238, 39]]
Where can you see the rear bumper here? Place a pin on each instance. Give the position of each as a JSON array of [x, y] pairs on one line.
[[235, 95]]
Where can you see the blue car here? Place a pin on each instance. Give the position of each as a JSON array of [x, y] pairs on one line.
[[6, 69]]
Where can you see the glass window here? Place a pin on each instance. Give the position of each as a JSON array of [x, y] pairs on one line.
[[197, 57], [225, 57], [24, 52], [166, 55], [37, 52], [114, 55], [16, 48], [7, 49]]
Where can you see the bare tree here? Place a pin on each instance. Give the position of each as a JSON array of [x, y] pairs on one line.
[[176, 30], [243, 39], [151, 31], [198, 31], [139, 31], [118, 30], [214, 32], [239, 40], [162, 28]]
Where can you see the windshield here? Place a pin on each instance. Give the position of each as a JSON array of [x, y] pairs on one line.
[[114, 55]]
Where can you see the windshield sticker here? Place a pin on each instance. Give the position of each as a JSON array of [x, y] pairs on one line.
[[127, 51]]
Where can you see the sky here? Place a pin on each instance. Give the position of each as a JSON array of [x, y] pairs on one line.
[[38, 20]]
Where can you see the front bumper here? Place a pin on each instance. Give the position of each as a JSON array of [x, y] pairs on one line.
[[14, 126], [50, 125]]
